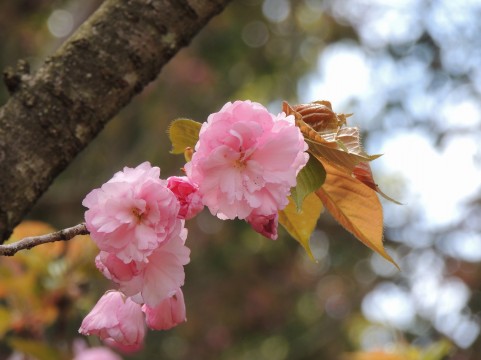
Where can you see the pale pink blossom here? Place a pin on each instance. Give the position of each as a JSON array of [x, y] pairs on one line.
[[154, 280], [132, 213], [169, 313], [246, 160], [117, 320], [188, 195], [82, 352], [97, 353], [264, 224]]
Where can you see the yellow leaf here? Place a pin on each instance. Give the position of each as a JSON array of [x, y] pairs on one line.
[[301, 224], [355, 206], [5, 320], [183, 133], [436, 351], [34, 348]]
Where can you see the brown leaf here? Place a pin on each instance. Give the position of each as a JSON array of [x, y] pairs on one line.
[[351, 140], [355, 206], [363, 173], [327, 138], [319, 116], [311, 123]]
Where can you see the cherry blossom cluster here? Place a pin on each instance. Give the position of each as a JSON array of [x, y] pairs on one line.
[[244, 165], [137, 221]]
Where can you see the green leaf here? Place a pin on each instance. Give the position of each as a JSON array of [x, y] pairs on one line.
[[301, 224], [183, 133], [309, 179], [36, 349]]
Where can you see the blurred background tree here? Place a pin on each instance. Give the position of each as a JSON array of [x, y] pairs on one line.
[[410, 73]]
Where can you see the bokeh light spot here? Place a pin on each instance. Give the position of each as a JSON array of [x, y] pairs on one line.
[[60, 23]]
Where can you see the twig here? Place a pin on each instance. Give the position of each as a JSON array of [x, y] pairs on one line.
[[32, 241]]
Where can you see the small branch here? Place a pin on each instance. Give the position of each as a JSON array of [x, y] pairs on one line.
[[13, 77], [32, 241]]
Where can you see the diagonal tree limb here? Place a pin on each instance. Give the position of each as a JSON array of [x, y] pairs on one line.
[[53, 114]]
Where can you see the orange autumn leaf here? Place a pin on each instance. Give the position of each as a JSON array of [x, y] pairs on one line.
[[355, 206], [31, 228], [350, 191]]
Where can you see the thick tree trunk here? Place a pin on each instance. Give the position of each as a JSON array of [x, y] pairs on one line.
[[53, 114]]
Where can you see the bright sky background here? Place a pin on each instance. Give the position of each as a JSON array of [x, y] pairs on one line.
[[436, 181]]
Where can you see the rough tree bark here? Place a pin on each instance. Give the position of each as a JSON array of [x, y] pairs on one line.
[[53, 114]]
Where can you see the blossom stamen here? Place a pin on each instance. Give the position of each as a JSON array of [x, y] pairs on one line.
[[137, 214], [240, 164]]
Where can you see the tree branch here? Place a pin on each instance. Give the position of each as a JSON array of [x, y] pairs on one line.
[[53, 114], [32, 241]]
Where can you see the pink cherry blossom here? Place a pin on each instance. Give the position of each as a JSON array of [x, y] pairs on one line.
[[264, 224], [132, 213], [246, 160], [83, 352], [97, 353], [117, 320], [169, 313], [154, 280], [187, 194]]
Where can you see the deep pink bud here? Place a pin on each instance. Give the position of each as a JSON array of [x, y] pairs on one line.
[[188, 195], [264, 224]]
